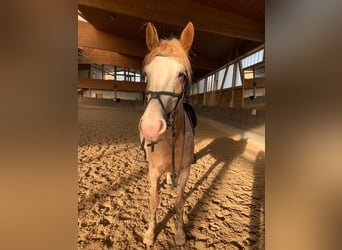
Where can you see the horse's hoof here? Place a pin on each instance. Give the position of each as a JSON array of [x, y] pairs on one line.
[[180, 239], [168, 178], [148, 239]]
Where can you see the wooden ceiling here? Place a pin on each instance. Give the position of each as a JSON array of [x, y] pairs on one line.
[[224, 29]]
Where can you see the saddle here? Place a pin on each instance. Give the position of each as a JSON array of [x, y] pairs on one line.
[[189, 110], [191, 114]]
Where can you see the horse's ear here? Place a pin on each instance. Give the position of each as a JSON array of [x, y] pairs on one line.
[[187, 36], [152, 40]]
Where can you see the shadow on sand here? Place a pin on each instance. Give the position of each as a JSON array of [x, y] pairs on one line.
[[223, 150], [257, 219]]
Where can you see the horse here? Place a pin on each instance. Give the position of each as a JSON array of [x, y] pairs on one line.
[[166, 131]]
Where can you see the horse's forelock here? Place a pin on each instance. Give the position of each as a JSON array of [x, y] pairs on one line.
[[171, 48]]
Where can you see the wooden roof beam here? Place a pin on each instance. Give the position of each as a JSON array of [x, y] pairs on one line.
[[204, 18], [90, 37], [99, 56]]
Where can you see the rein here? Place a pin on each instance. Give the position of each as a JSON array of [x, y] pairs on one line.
[[173, 176]]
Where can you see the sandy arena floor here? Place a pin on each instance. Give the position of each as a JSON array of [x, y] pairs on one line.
[[224, 208]]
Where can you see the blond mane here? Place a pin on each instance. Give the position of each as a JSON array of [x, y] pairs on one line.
[[171, 48]]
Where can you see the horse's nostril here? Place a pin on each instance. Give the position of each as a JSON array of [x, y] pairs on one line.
[[162, 127], [152, 128]]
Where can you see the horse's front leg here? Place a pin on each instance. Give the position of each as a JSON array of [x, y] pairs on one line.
[[154, 201], [180, 235]]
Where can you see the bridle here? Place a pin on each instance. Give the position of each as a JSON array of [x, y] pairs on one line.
[[169, 117]]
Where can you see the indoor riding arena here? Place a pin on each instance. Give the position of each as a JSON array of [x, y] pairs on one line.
[[224, 195]]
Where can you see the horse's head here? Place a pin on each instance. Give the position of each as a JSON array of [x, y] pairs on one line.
[[168, 70]]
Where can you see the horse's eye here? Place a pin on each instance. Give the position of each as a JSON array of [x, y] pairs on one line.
[[181, 75], [184, 76]]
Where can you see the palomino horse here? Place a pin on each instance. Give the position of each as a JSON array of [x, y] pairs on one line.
[[166, 131]]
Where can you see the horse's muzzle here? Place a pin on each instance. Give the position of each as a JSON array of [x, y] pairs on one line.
[[152, 129]]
